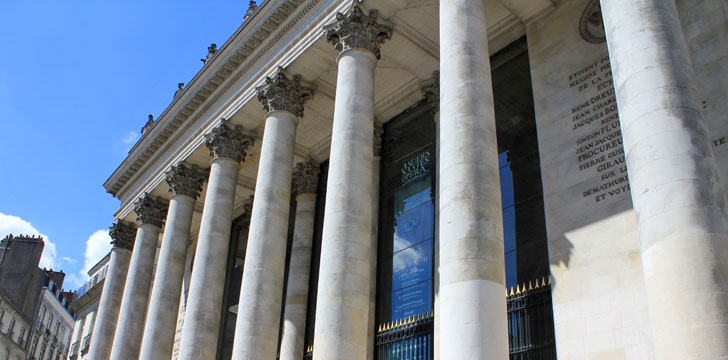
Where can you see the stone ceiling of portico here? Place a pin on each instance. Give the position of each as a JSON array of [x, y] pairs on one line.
[[408, 58]]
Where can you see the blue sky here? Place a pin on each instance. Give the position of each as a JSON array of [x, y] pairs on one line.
[[77, 81]]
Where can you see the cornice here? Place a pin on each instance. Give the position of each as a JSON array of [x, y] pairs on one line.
[[280, 49], [219, 71]]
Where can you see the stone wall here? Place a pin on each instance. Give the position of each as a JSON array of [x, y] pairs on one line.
[[600, 310]]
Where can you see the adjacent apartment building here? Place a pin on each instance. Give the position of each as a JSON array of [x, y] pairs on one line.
[[35, 315], [84, 306]]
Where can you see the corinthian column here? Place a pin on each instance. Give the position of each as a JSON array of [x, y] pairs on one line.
[[346, 250], [472, 319], [185, 184], [128, 337], [122, 241], [676, 192], [305, 183], [259, 310], [227, 145]]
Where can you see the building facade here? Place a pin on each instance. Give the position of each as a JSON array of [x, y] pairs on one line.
[[35, 314], [85, 306], [461, 179]]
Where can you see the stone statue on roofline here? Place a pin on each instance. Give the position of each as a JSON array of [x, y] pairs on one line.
[[180, 86], [251, 10], [211, 51], [149, 124]]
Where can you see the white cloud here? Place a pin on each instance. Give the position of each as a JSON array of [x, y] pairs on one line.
[[10, 224], [97, 246], [129, 140]]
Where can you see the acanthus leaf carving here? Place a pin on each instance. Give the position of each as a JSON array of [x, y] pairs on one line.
[[281, 93], [150, 210], [186, 180], [305, 178], [228, 141], [358, 30], [122, 234]]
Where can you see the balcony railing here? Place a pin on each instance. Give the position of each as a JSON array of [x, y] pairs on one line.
[[406, 339], [101, 275], [531, 322], [85, 344]]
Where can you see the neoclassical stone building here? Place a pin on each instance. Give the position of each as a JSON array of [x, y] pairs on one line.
[[456, 179]]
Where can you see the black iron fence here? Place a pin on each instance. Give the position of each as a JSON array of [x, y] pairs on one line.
[[530, 329], [531, 322], [406, 339]]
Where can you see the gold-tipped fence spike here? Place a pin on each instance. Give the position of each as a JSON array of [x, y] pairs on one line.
[[523, 287], [518, 289], [537, 285], [549, 279], [512, 293], [530, 286]]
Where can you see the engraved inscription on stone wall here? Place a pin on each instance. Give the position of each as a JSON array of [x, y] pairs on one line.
[[595, 124]]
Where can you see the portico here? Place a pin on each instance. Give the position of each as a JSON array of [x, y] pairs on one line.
[[447, 214]]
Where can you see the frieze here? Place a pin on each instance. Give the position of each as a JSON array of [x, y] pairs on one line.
[[358, 30], [150, 210], [186, 180], [281, 93], [122, 234], [305, 178], [233, 68], [228, 141]]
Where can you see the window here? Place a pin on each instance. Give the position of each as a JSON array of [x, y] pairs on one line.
[[10, 328], [55, 330], [41, 317], [21, 336], [50, 321]]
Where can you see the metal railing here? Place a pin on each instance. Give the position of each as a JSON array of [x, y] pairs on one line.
[[308, 354], [531, 322], [101, 275], [85, 344], [406, 339]]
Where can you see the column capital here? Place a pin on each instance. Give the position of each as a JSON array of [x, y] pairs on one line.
[[281, 93], [358, 30], [186, 180], [122, 234], [150, 210], [431, 91], [378, 132], [305, 178], [229, 141]]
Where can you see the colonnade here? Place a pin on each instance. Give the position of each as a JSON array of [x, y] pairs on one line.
[[471, 309]]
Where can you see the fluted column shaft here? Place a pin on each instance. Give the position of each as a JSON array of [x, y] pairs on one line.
[[158, 341], [259, 310], [107, 314], [128, 337], [294, 318], [202, 315], [676, 190], [343, 291], [472, 319]]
